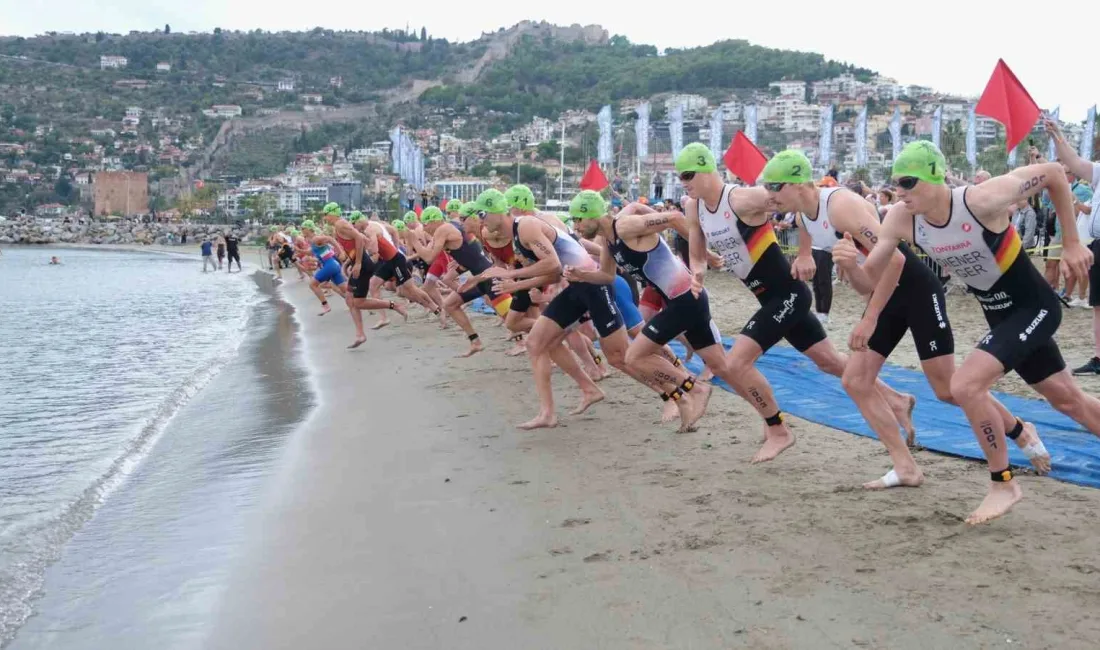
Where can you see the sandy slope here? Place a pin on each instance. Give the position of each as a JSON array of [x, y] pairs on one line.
[[409, 501]]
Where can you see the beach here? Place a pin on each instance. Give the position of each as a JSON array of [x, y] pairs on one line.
[[409, 512]]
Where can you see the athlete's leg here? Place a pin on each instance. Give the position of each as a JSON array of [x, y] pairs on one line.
[[431, 287], [315, 287], [1067, 398], [376, 293], [454, 304], [544, 349], [751, 385], [582, 347], [645, 360]]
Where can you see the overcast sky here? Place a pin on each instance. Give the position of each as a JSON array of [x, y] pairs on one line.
[[954, 52]]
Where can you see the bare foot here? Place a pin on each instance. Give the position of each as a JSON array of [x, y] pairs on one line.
[[442, 319], [998, 501], [541, 421], [380, 324], [513, 336], [706, 376], [519, 349], [903, 413], [700, 397], [777, 440], [893, 478], [475, 347], [1034, 449], [670, 412], [359, 340], [588, 399], [401, 309], [325, 309]]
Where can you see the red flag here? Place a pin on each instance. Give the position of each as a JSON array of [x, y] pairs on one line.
[[1006, 100], [593, 178], [417, 209], [744, 159]]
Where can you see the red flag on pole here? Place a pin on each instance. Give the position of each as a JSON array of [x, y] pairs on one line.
[[744, 159], [1006, 100], [593, 177], [417, 209]]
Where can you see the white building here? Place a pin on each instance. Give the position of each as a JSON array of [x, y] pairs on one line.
[[226, 110], [843, 85], [463, 189], [336, 82], [285, 86], [312, 194], [802, 118], [367, 155], [692, 103], [134, 111], [311, 98], [288, 200], [109, 62], [789, 88], [164, 66]]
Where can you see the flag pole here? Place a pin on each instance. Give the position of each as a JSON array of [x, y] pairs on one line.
[[561, 177]]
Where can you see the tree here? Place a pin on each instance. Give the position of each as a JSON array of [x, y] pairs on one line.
[[167, 28], [549, 150], [423, 33]]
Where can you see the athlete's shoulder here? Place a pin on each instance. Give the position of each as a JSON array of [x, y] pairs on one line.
[[748, 202]]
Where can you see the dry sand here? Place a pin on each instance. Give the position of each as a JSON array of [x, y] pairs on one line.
[[410, 513]]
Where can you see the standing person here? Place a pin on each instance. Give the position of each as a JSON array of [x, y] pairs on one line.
[[410, 197], [1025, 223], [1091, 218], [208, 255], [232, 251], [736, 222], [967, 231], [220, 246]]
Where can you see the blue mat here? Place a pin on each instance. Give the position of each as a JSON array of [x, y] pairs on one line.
[[806, 392]]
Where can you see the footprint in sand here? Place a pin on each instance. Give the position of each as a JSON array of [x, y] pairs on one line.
[[573, 523]]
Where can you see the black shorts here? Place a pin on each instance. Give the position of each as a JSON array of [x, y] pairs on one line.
[[521, 301], [1094, 273], [422, 265], [785, 314], [579, 297], [396, 268], [1021, 337], [919, 306], [234, 254], [483, 288], [286, 253], [688, 315], [360, 285]]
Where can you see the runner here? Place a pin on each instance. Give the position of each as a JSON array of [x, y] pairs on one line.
[[633, 238], [838, 221], [434, 270], [450, 237], [498, 243], [967, 231], [552, 252], [327, 251], [739, 228]]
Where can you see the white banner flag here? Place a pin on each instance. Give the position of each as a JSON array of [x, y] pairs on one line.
[[1051, 155], [641, 130], [716, 132], [676, 128], [895, 132], [861, 138], [972, 138], [1012, 159], [1087, 136], [395, 149], [604, 152], [418, 160], [937, 125], [750, 122], [825, 144]]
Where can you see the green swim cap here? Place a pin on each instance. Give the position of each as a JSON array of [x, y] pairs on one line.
[[520, 197], [492, 202], [273, 228], [788, 166], [468, 209], [355, 216], [399, 226], [923, 160], [695, 157], [331, 209], [293, 232], [309, 225], [588, 205], [430, 214], [454, 205]]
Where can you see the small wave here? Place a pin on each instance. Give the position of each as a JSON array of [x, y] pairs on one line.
[[40, 545]]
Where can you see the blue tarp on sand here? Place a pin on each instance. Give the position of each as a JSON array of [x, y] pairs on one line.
[[806, 392]]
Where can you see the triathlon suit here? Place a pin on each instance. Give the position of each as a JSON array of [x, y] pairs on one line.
[[918, 304], [752, 254], [666, 274], [392, 264], [329, 270], [1022, 310], [521, 300], [470, 257], [359, 285], [577, 298], [347, 244]]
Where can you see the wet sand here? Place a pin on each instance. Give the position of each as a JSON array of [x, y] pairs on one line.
[[410, 513]]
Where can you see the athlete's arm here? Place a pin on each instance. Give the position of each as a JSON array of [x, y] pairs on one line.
[[638, 224], [991, 201], [439, 241], [804, 266], [751, 203], [369, 242], [604, 275], [592, 248], [1079, 166], [884, 253], [697, 245], [533, 236]]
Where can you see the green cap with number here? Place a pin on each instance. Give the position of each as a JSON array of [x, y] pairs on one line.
[[430, 214], [399, 225], [789, 166], [469, 209], [520, 197], [492, 202], [587, 205], [355, 216], [309, 225], [922, 160], [331, 209], [454, 205], [695, 157]]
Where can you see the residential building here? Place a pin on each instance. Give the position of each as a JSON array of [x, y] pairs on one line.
[[311, 98], [121, 193], [285, 86], [288, 200], [790, 88], [368, 155], [312, 194], [109, 62], [463, 189], [134, 111], [50, 210], [223, 110], [336, 82], [164, 67], [691, 103], [349, 194]]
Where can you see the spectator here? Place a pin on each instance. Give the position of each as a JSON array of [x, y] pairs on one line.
[[410, 197], [658, 189], [207, 248], [1026, 223]]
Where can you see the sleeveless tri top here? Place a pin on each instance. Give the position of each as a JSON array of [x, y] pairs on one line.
[[751, 253], [822, 231], [469, 255], [657, 267], [569, 251]]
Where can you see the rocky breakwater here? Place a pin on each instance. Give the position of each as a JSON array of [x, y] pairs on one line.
[[122, 231]]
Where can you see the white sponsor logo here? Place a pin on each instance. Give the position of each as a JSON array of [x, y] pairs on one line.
[[751, 323], [788, 306], [651, 328], [987, 339], [1034, 323], [939, 314], [932, 345], [610, 324]]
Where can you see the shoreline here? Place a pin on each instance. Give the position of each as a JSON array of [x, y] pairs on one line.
[[411, 513]]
